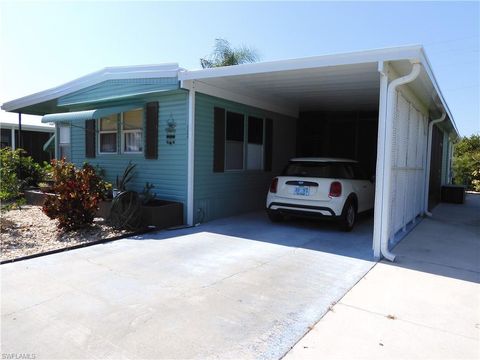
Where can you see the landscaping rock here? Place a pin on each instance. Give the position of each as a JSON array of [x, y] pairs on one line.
[[29, 231]]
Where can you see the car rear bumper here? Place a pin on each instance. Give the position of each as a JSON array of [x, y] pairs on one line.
[[308, 211]]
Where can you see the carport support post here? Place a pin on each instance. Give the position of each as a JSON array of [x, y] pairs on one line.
[[378, 214], [387, 155], [13, 137], [20, 130], [191, 153]]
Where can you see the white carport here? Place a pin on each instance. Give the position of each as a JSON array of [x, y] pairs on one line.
[[396, 82]]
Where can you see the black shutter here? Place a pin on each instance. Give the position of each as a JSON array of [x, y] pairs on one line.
[[90, 138], [267, 166], [218, 140], [151, 131]]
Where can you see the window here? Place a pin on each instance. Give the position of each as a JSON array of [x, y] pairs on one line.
[[255, 143], [132, 134], [64, 142], [6, 140], [108, 134], [234, 141]]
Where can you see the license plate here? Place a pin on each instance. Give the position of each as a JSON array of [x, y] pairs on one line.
[[302, 190]]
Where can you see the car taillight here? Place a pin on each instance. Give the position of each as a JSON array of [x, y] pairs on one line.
[[335, 189], [273, 185]]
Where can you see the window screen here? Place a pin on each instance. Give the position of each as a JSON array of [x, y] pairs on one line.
[[255, 143], [132, 131], [108, 134], [64, 142], [234, 141]]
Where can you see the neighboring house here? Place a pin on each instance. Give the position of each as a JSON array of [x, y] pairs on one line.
[[36, 139], [213, 138]]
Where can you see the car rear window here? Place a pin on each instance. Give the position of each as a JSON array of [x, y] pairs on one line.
[[337, 170]]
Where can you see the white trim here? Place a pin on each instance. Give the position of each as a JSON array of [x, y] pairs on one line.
[[109, 73], [276, 107], [431, 75], [379, 176], [191, 154], [372, 56], [37, 128]]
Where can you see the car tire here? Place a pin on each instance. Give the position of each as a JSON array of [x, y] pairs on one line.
[[275, 216], [349, 216]]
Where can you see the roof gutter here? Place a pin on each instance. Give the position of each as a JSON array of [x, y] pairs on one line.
[[429, 158], [387, 177]]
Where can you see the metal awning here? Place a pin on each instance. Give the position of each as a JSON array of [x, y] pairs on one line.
[[88, 114]]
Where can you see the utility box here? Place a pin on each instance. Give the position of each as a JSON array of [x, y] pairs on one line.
[[454, 194]]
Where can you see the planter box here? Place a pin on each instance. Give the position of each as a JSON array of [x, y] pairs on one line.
[[35, 197], [104, 208], [162, 214], [454, 194]]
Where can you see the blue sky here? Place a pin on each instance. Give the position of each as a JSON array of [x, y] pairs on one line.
[[46, 44]]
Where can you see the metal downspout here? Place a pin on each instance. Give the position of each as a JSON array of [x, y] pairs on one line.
[[391, 103], [429, 158]]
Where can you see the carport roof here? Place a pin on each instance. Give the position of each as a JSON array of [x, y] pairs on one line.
[[330, 82], [347, 81]]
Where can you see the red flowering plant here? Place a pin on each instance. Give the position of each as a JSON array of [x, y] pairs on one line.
[[77, 195]]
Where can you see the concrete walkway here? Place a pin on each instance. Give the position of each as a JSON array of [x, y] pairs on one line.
[[425, 305]]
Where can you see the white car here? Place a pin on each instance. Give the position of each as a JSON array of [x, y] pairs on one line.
[[321, 188]]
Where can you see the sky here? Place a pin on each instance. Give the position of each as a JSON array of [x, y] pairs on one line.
[[45, 44]]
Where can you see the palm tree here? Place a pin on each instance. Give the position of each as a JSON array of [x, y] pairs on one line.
[[225, 55]]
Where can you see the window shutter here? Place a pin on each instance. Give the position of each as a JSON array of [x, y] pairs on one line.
[[151, 131], [219, 140], [90, 138], [267, 166]]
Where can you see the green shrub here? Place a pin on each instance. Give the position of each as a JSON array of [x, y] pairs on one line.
[[77, 195], [17, 171], [9, 185], [466, 162]]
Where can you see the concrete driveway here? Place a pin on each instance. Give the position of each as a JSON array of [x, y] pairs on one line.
[[239, 287]]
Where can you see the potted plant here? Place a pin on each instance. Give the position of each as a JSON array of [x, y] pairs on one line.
[[121, 182]]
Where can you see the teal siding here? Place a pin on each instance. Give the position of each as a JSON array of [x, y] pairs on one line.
[[169, 172], [114, 89], [224, 194]]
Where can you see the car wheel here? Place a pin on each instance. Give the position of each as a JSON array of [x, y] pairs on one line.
[[275, 216], [349, 216]]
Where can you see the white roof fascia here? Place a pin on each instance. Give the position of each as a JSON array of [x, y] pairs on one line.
[[109, 73], [42, 128], [373, 56], [431, 75]]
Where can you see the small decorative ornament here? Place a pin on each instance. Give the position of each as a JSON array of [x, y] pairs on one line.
[[170, 129]]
